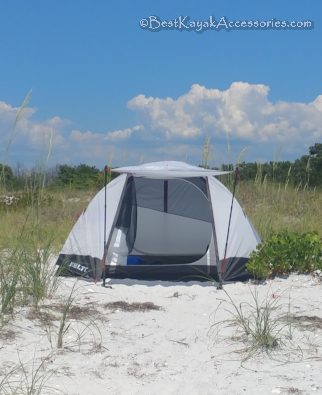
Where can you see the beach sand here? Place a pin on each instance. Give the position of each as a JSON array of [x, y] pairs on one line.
[[177, 339]]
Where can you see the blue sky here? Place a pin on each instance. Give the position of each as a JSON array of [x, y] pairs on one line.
[[103, 89]]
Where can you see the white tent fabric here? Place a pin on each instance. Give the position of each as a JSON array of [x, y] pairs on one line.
[[117, 255], [87, 235], [242, 237], [161, 216], [168, 169]]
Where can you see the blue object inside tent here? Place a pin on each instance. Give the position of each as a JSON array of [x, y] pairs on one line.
[[133, 260]]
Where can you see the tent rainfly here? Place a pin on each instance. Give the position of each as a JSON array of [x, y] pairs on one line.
[[161, 220]]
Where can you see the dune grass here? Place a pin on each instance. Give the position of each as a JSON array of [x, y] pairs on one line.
[[274, 207], [30, 236], [28, 378], [53, 218]]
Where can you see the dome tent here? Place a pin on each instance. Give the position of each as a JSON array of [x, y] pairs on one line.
[[161, 220]]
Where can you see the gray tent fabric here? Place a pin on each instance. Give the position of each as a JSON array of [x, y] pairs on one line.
[[164, 220]]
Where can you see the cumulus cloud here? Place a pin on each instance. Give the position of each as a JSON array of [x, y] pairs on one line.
[[122, 133], [115, 135], [243, 111], [23, 136], [9, 112], [43, 133], [79, 136], [176, 128], [21, 127]]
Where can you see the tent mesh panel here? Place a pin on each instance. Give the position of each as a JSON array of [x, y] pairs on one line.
[[164, 219]]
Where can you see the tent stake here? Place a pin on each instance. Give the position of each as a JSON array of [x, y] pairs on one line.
[[104, 252], [223, 268]]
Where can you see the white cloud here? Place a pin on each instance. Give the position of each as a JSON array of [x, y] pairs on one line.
[[175, 128], [78, 136], [115, 135], [43, 133], [21, 128], [7, 111], [243, 111], [122, 133], [31, 138]]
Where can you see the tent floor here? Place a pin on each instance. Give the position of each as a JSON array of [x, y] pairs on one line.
[[165, 273], [88, 267]]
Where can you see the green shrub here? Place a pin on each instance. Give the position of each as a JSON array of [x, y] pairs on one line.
[[286, 252]]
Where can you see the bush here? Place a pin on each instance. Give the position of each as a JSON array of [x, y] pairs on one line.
[[286, 252], [79, 177]]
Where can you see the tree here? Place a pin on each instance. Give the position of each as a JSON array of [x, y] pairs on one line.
[[81, 176], [65, 174], [315, 164], [305, 171], [6, 174]]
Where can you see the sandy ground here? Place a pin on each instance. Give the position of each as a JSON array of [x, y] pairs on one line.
[[187, 346]]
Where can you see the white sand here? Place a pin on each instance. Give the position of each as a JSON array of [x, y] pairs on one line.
[[171, 351]]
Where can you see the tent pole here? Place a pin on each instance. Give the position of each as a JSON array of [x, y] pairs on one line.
[[229, 222], [165, 196], [104, 253], [219, 286]]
